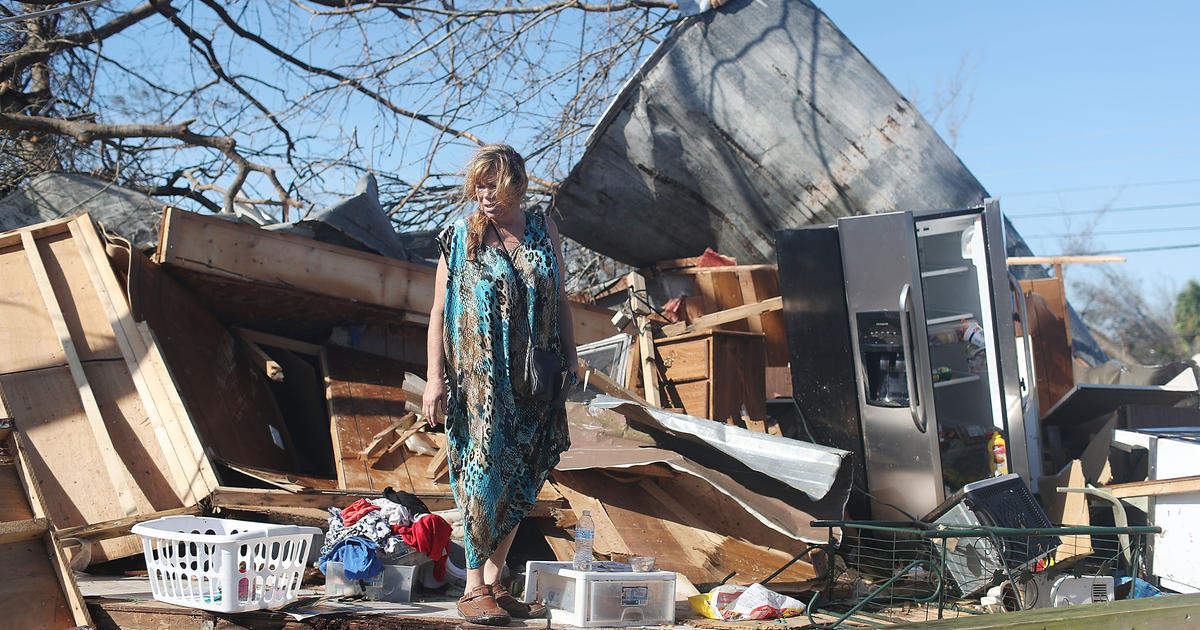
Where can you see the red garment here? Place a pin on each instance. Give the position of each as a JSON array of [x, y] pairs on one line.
[[431, 534], [351, 513]]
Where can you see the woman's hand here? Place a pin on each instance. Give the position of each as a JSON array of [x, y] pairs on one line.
[[433, 402]]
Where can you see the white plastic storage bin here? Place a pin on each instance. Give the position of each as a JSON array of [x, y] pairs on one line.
[[224, 565], [611, 598]]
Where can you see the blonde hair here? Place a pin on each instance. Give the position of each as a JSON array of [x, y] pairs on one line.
[[511, 183]]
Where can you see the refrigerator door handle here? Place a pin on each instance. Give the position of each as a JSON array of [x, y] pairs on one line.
[[917, 411], [1023, 314]]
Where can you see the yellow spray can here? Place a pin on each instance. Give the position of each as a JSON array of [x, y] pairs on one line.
[[999, 454]]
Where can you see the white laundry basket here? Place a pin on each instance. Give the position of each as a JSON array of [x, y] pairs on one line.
[[224, 565]]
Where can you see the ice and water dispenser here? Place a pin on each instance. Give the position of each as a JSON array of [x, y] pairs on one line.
[[881, 345]]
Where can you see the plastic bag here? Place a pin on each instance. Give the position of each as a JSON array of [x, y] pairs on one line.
[[734, 603]]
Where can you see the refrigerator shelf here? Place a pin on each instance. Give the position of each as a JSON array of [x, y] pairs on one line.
[[957, 380], [946, 317], [946, 271]]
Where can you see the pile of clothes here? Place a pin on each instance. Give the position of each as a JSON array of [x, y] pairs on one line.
[[369, 533]]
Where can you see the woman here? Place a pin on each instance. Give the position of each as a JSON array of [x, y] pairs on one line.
[[501, 273]]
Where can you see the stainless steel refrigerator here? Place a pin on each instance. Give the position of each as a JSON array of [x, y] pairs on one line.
[[901, 334]]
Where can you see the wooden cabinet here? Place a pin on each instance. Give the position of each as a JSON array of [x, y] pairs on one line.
[[715, 374]]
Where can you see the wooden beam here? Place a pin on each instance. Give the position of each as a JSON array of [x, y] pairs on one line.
[[269, 366], [228, 497], [649, 356], [1062, 260], [377, 444], [727, 268], [19, 531], [188, 483], [113, 465], [49, 228], [120, 527], [1154, 488], [257, 500], [439, 464], [257, 338], [607, 385], [253, 255], [724, 317]]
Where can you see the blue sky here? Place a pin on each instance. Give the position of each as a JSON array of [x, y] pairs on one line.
[[1074, 106]]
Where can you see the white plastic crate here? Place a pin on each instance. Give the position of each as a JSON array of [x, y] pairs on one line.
[[224, 565], [615, 598]]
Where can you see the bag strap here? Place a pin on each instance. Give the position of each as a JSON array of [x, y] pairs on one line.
[[500, 242]]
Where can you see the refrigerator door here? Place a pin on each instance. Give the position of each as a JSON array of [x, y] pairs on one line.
[[972, 345], [892, 369]]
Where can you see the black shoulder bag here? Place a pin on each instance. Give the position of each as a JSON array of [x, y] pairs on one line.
[[546, 375]]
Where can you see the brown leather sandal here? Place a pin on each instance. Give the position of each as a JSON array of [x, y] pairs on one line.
[[516, 607], [479, 606]]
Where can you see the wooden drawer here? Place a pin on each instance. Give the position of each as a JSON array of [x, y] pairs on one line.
[[686, 359], [694, 397]]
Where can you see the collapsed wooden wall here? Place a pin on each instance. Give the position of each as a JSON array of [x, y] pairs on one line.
[[106, 433], [39, 590]]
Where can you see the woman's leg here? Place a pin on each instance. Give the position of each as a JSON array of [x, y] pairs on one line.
[[493, 569]]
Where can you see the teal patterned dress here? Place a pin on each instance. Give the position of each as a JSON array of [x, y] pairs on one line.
[[502, 445]]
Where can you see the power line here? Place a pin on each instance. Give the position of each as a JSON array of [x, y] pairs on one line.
[[1105, 187], [37, 14], [1185, 228], [1146, 249], [1061, 213]]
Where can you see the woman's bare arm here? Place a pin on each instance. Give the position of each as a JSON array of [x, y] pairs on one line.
[[433, 402]]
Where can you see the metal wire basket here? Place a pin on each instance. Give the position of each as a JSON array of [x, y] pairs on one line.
[[884, 564]]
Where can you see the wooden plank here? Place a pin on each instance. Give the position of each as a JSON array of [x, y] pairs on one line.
[[605, 384], [245, 498], [1154, 488], [185, 468], [121, 526], [649, 359], [608, 539], [591, 323], [266, 339], [264, 361], [47, 551], [766, 284], [1063, 260], [22, 530], [30, 593], [701, 271], [721, 317], [248, 253], [27, 338], [440, 463], [750, 295], [365, 396], [377, 443], [114, 468], [49, 228]]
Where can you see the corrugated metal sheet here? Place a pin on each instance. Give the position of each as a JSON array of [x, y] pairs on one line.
[[50, 196], [754, 117]]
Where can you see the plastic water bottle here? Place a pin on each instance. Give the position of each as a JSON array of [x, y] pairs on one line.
[[585, 534]]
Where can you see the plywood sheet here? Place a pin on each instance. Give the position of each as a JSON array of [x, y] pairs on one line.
[[27, 339], [229, 402], [63, 457], [365, 394], [30, 593], [76, 296]]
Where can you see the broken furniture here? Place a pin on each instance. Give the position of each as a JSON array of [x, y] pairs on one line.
[[716, 374]]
